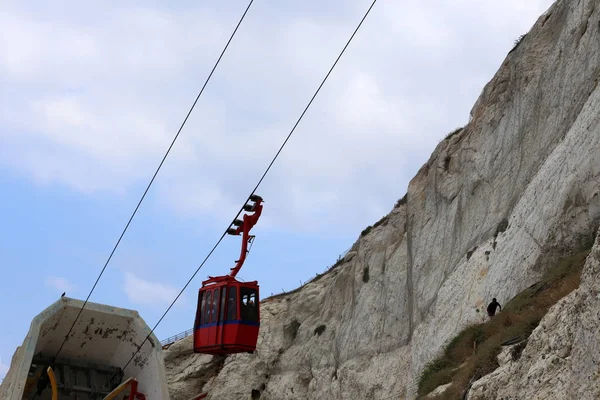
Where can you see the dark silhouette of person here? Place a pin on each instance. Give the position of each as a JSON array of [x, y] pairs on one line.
[[491, 309]]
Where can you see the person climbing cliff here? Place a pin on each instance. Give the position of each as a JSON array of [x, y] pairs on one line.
[[491, 309]]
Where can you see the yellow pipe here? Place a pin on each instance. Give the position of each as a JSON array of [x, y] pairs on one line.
[[53, 383], [119, 389]]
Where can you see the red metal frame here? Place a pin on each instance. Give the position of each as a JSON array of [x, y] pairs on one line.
[[226, 335], [133, 393], [217, 331], [247, 224], [130, 384]]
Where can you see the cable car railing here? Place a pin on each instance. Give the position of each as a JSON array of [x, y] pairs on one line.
[[169, 341]]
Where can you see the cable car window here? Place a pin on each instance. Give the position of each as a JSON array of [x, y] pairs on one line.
[[199, 309], [203, 311], [232, 304], [248, 304], [207, 307], [222, 309], [214, 314]]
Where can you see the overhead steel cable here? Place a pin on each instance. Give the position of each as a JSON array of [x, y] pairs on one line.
[[155, 174], [257, 185]]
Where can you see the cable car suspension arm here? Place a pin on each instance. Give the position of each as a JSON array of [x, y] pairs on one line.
[[243, 227]]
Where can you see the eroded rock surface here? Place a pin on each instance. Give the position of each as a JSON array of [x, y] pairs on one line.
[[518, 186], [187, 373], [562, 356]]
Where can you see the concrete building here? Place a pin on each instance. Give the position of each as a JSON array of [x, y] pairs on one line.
[[88, 367]]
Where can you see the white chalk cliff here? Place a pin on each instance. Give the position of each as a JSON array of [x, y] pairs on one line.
[[562, 355], [516, 187]]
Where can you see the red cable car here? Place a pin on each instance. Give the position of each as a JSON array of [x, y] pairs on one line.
[[227, 315]]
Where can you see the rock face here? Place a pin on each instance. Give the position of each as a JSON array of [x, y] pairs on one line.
[[517, 186], [562, 356], [187, 372]]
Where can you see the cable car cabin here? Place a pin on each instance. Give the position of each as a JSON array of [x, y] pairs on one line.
[[227, 318], [227, 315]]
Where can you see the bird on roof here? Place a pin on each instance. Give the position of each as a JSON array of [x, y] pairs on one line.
[[63, 295]]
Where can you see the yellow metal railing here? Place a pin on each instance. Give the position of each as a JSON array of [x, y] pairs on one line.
[[53, 383]]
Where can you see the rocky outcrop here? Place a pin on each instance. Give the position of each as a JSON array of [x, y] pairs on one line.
[[187, 373], [496, 201], [562, 355]]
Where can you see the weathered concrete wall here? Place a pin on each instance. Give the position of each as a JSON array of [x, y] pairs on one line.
[[103, 335]]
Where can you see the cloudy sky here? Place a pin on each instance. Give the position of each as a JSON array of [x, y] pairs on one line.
[[93, 92]]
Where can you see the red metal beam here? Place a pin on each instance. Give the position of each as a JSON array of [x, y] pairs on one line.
[[248, 223]]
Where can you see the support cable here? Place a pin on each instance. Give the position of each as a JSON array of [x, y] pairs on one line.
[[154, 176], [257, 185]]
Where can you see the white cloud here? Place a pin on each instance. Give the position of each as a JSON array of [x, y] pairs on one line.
[[59, 283], [93, 106], [144, 292]]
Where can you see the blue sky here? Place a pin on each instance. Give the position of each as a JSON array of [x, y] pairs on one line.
[[93, 93]]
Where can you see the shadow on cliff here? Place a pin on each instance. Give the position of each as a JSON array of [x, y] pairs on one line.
[[474, 352]]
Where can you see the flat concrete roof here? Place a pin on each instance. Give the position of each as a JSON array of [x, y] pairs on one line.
[[104, 336]]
